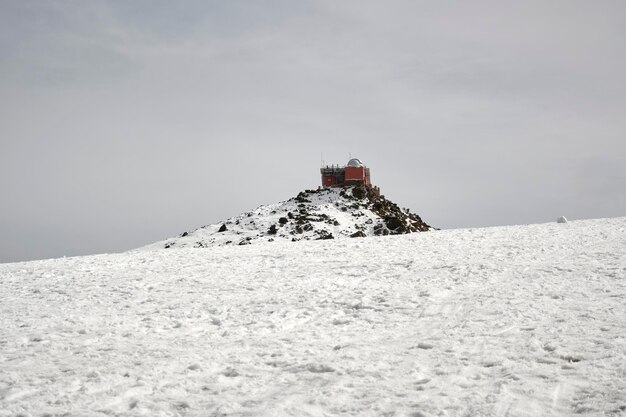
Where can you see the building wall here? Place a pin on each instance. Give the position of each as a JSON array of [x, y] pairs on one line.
[[334, 176], [355, 173], [329, 180]]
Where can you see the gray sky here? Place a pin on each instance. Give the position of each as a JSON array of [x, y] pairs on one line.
[[126, 122]]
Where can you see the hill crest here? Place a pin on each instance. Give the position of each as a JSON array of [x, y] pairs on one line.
[[325, 213]]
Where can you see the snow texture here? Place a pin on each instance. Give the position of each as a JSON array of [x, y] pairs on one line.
[[505, 321], [327, 213]]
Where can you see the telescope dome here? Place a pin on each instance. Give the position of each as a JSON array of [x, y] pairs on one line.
[[354, 163]]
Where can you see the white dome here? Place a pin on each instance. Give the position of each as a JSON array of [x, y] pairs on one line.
[[354, 163]]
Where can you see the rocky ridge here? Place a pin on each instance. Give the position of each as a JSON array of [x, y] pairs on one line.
[[326, 213]]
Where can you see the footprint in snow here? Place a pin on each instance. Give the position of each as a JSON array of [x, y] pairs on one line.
[[230, 373], [571, 358], [549, 348], [181, 405], [319, 368], [491, 363]]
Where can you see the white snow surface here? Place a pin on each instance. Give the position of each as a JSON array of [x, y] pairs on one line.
[[505, 321]]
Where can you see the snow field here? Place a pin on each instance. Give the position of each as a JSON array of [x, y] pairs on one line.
[[507, 321]]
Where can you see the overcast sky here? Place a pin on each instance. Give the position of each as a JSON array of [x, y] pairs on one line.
[[127, 122]]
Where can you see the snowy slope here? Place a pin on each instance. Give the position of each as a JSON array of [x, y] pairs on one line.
[[326, 213], [507, 321]]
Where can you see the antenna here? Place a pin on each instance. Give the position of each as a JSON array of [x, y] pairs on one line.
[[322, 159]]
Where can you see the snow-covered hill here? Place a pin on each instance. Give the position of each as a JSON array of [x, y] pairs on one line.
[[506, 321], [325, 213]]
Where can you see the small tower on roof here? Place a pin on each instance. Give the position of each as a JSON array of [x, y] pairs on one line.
[[353, 173]]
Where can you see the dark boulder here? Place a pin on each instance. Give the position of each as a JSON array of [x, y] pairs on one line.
[[324, 235], [393, 223], [359, 192]]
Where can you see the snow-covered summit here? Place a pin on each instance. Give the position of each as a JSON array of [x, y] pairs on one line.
[[326, 213]]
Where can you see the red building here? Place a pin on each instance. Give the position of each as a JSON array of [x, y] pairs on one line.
[[353, 173]]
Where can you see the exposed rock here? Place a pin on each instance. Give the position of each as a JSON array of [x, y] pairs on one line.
[[394, 223], [311, 215], [359, 192], [323, 235]]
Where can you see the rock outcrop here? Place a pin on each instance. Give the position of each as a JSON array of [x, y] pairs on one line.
[[327, 213]]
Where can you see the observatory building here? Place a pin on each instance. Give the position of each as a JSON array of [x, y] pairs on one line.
[[353, 173]]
